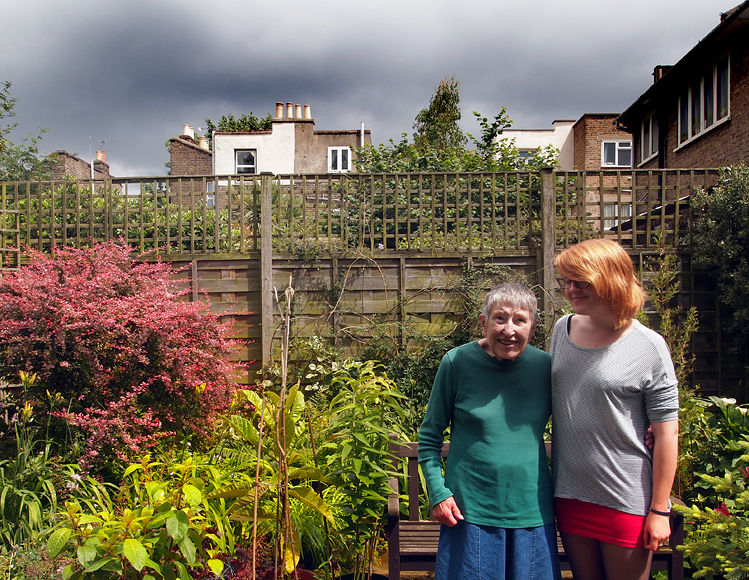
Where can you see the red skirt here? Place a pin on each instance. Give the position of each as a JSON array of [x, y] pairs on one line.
[[598, 522]]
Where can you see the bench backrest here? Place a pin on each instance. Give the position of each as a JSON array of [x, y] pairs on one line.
[[410, 451]]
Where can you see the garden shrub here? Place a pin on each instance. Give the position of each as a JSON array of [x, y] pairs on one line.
[[114, 339], [721, 224], [717, 543]]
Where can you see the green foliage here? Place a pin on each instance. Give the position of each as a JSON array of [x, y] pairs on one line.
[[246, 122], [18, 161], [29, 480], [717, 545], [437, 126], [244, 433], [721, 231], [365, 411], [439, 143], [166, 522]]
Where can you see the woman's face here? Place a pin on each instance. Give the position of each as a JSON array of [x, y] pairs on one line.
[[584, 300], [507, 330]]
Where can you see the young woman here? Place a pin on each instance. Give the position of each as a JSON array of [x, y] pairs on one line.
[[612, 378]]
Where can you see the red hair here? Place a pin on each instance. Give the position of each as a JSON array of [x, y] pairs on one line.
[[608, 267]]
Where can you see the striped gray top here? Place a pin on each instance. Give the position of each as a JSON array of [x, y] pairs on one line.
[[603, 400]]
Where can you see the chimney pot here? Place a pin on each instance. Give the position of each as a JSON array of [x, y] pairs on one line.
[[290, 110], [279, 110], [188, 131], [203, 142], [307, 112], [99, 155], [298, 112]]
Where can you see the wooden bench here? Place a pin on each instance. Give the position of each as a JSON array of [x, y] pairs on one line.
[[412, 543]]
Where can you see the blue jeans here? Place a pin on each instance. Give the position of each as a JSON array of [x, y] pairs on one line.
[[471, 552]]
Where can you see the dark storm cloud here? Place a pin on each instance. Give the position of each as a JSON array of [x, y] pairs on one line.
[[130, 74]]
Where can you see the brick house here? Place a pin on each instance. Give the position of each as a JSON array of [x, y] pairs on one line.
[[696, 112], [62, 163], [291, 146], [592, 142], [190, 156]]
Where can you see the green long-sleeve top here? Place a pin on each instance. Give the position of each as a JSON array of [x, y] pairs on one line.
[[497, 412]]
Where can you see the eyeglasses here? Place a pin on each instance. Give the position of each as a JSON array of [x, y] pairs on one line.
[[566, 283]]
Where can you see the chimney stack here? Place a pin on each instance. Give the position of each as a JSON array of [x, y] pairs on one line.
[[660, 70]]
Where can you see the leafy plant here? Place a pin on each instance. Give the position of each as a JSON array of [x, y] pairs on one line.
[[301, 471], [111, 337], [717, 544], [365, 411], [18, 161], [721, 222], [166, 523]]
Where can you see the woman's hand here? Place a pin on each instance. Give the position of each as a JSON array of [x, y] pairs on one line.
[[447, 512], [656, 532]]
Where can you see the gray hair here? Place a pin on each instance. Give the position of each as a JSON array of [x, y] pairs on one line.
[[516, 295]]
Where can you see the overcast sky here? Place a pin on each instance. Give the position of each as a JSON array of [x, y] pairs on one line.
[[131, 73]]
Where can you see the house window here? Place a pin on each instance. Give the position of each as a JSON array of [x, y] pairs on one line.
[[339, 159], [246, 160], [526, 155], [616, 211], [705, 102], [616, 153], [649, 138]]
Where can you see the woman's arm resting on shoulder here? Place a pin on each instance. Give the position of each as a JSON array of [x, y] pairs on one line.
[[665, 452], [447, 512]]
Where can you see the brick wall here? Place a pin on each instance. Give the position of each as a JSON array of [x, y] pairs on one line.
[[63, 163], [188, 158], [725, 144], [589, 132]]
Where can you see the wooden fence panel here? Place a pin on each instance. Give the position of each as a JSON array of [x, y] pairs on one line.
[[377, 253]]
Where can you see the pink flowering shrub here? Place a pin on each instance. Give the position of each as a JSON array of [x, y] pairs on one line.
[[132, 360]]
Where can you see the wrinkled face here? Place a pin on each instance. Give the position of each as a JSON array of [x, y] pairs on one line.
[[507, 330]]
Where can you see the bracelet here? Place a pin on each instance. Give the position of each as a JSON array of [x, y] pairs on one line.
[[666, 514]]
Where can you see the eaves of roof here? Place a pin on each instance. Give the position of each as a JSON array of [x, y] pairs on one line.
[[733, 21]]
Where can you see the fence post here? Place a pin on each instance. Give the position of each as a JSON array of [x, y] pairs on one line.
[[266, 267], [548, 238]]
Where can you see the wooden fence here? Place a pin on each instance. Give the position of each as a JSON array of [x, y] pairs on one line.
[[375, 250]]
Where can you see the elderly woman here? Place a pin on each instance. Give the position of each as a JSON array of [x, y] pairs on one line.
[[495, 498], [612, 378]]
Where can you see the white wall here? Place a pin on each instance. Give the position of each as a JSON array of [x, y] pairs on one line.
[[275, 151], [561, 137]]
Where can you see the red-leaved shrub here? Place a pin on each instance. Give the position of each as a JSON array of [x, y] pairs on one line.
[[132, 359]]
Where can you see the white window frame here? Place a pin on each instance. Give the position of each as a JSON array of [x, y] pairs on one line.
[[613, 213], [649, 138], [210, 196], [335, 159], [620, 147], [237, 166], [699, 107]]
